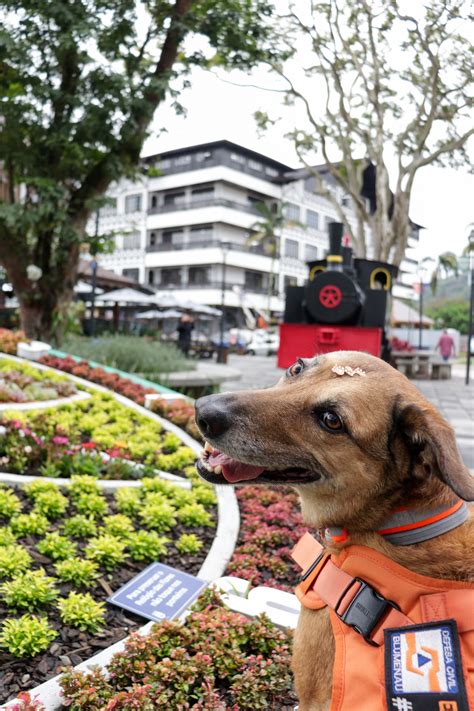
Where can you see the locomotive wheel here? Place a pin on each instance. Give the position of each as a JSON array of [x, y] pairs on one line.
[[330, 296], [333, 297]]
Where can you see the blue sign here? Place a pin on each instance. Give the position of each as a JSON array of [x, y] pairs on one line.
[[158, 592]]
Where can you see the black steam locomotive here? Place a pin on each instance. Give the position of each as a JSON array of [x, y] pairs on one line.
[[342, 307]]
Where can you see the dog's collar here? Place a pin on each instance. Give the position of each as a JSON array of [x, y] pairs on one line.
[[407, 526]]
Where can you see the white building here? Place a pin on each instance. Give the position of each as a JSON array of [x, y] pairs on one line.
[[186, 225]]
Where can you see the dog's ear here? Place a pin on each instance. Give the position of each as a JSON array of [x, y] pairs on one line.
[[432, 443]]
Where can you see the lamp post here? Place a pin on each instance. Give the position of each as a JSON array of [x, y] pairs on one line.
[[222, 350], [94, 278], [471, 305]]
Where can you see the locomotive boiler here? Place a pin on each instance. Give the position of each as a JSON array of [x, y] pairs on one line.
[[342, 306]]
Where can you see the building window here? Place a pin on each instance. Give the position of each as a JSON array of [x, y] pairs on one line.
[[202, 194], [109, 209], [237, 158], [154, 201], [312, 219], [310, 253], [291, 212], [133, 203], [255, 201], [131, 241], [255, 165], [152, 239], [171, 277], [151, 277], [203, 155], [271, 172], [253, 280], [163, 164], [182, 160], [198, 276], [169, 237], [131, 274], [175, 199], [289, 281], [291, 248], [201, 232], [345, 201]]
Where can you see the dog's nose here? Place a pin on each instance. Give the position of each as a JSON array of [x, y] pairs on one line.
[[213, 415]]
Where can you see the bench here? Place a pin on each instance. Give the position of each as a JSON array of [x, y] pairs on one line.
[[440, 370], [405, 366]]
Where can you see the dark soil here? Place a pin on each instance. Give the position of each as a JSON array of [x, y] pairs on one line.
[[71, 645]]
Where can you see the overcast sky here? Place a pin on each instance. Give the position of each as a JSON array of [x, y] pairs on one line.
[[443, 199]]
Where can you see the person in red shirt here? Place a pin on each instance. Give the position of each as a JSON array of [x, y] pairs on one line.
[[446, 346]]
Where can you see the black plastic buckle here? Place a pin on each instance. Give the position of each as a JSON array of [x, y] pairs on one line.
[[365, 611]]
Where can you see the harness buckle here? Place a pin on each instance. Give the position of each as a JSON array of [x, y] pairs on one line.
[[365, 610]]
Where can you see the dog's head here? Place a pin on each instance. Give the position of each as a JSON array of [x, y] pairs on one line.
[[352, 433]]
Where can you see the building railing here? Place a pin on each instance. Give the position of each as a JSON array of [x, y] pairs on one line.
[[208, 244], [215, 285], [209, 202]]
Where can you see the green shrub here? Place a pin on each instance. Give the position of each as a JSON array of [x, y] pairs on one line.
[[51, 503], [118, 525], [9, 503], [177, 460], [155, 484], [57, 547], [205, 495], [146, 545], [92, 504], [52, 469], [26, 636], [171, 442], [83, 484], [128, 500], [28, 590], [13, 559], [78, 571], [34, 524], [182, 497], [158, 516], [80, 526], [106, 551], [118, 468], [7, 537], [195, 515], [188, 543], [86, 691], [38, 486], [82, 611]]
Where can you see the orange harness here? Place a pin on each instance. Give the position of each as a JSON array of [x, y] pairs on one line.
[[371, 601]]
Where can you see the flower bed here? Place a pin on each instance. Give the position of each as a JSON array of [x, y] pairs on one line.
[[215, 660], [10, 339], [62, 552], [20, 382], [58, 442]]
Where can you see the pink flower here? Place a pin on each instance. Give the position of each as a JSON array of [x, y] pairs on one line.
[[60, 440]]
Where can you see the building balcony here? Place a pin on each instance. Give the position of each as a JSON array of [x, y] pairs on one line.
[[210, 244], [209, 202], [214, 285]]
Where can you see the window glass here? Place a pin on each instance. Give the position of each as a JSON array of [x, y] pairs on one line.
[[253, 280], [292, 211], [182, 160], [175, 199], [202, 194], [198, 275], [199, 232], [131, 241], [310, 253], [237, 158], [203, 155], [133, 203], [171, 277], [255, 165], [131, 274], [271, 172], [312, 219], [109, 209], [291, 248]]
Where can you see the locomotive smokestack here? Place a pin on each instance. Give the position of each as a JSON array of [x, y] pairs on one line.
[[335, 244]]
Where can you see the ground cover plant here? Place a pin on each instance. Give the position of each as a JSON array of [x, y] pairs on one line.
[[216, 660], [10, 339], [56, 571], [20, 382], [98, 436]]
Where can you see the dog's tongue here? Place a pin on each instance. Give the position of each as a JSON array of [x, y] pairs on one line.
[[233, 470]]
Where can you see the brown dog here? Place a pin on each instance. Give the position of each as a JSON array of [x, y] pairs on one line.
[[355, 445]]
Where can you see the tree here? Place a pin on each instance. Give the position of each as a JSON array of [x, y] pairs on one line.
[[446, 265], [378, 85], [80, 82], [266, 233], [451, 314]]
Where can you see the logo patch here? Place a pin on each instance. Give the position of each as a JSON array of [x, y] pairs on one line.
[[423, 668]]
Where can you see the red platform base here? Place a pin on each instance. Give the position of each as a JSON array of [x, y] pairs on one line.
[[301, 340]]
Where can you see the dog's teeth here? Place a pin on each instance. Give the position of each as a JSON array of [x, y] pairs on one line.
[[208, 447], [217, 470]]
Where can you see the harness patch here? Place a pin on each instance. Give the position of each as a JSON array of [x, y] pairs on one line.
[[423, 670]]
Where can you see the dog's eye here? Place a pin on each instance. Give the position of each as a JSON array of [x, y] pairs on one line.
[[330, 421], [296, 368]]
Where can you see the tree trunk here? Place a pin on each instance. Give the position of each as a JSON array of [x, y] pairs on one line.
[[35, 321]]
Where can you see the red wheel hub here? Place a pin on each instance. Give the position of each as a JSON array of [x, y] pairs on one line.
[[330, 296]]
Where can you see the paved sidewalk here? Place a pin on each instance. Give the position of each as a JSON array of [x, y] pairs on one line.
[[452, 397]]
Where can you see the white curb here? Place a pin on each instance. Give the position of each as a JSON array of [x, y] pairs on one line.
[[43, 404]]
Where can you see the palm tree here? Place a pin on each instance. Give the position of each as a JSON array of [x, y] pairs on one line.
[[266, 233], [447, 264]]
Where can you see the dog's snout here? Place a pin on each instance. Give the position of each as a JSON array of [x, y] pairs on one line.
[[213, 415]]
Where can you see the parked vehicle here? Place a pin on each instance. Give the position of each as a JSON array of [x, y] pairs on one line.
[[263, 343]]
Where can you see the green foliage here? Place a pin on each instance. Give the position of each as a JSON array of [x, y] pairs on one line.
[[7, 537], [205, 495], [28, 590], [83, 484], [80, 526], [9, 503], [176, 460], [57, 547], [194, 515], [36, 487], [82, 611], [106, 551], [118, 525], [89, 690], [158, 516], [50, 503], [78, 571], [133, 354], [13, 559], [127, 500], [29, 524], [146, 546], [451, 314], [188, 543], [182, 497], [26, 636], [91, 504]]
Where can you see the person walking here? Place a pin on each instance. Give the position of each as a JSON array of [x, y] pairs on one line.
[[185, 327], [446, 346]]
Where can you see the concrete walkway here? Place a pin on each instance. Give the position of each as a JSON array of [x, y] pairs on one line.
[[452, 397]]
